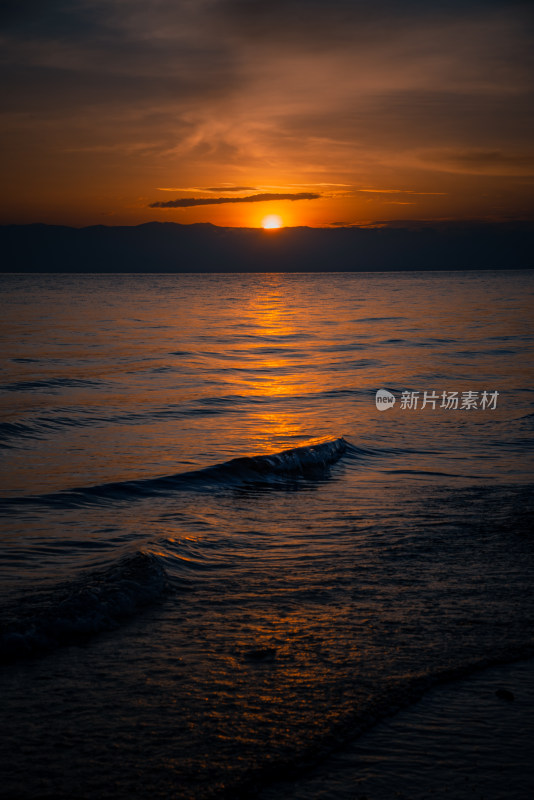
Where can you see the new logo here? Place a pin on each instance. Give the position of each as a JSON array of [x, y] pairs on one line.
[[384, 400]]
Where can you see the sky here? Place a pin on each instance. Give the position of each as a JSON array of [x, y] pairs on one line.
[[120, 112]]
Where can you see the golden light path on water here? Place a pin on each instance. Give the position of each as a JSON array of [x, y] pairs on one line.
[[271, 317]]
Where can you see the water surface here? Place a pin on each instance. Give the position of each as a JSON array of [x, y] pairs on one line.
[[195, 626]]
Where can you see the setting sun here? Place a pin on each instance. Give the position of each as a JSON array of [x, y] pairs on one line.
[[272, 221]]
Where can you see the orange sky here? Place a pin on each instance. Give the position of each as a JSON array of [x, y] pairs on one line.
[[395, 111]]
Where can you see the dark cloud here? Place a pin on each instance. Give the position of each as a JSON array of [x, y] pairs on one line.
[[489, 162], [415, 119], [101, 52], [55, 18], [114, 51], [316, 24], [187, 202]]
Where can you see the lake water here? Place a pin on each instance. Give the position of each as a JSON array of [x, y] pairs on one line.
[[189, 610]]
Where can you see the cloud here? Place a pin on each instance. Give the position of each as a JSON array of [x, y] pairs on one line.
[[320, 183], [187, 202], [316, 26], [481, 161], [291, 95], [230, 189], [398, 191], [207, 188]]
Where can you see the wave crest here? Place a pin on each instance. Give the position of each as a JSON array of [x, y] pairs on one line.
[[309, 462]]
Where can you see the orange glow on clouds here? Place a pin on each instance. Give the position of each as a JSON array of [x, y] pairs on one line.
[[368, 117]]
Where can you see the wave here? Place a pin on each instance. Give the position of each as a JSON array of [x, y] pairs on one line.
[[52, 384], [72, 612], [525, 416], [380, 319], [432, 473], [301, 463], [15, 430], [45, 425]]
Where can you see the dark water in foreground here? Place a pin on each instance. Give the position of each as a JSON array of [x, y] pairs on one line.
[[175, 625]]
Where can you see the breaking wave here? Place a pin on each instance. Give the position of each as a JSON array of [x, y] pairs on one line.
[[305, 463]]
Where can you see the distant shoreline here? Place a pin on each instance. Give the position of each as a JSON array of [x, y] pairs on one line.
[[168, 247]]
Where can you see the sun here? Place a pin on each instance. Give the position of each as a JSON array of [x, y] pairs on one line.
[[272, 221]]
